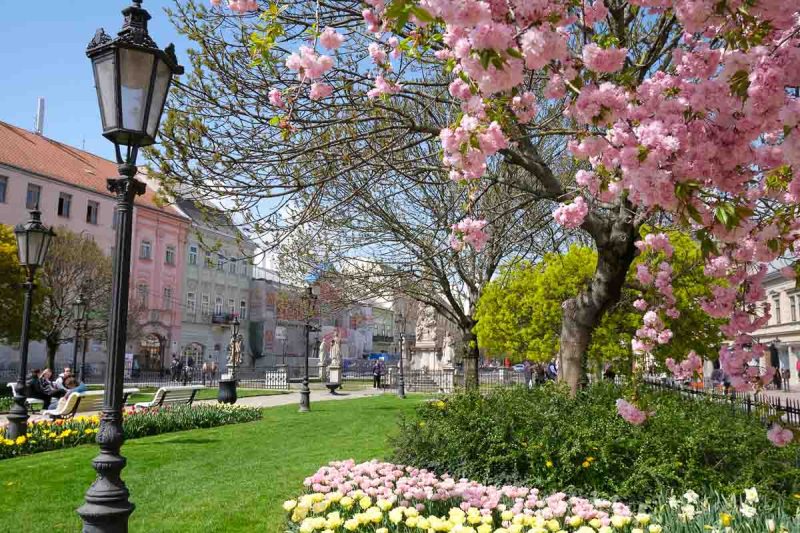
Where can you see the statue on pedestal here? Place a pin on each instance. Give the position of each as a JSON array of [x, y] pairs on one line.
[[336, 349], [235, 351], [426, 324], [448, 350]]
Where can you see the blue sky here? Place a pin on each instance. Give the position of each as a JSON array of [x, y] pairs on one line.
[[42, 52]]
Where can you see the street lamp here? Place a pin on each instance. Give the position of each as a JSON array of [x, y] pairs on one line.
[[33, 240], [132, 78], [82, 376], [227, 385], [312, 292], [401, 380], [78, 312]]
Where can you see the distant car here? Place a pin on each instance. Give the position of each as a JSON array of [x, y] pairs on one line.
[[519, 367]]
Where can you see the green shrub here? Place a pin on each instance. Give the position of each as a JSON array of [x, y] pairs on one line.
[[5, 404], [547, 439], [45, 435]]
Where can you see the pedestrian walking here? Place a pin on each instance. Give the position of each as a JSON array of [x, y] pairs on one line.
[[377, 372]]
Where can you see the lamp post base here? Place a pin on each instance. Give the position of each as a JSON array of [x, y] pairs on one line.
[[17, 418], [227, 391], [305, 399]]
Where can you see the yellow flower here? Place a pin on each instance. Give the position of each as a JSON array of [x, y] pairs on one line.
[[440, 404], [422, 424], [87, 431], [548, 463], [586, 464], [725, 519], [590, 458], [21, 440]]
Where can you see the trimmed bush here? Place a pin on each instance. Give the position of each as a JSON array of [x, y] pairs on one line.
[[547, 439], [45, 435]]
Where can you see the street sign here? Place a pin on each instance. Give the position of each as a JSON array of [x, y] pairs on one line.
[[280, 333]]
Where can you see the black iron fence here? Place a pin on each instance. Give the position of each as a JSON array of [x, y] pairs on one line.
[[767, 408]]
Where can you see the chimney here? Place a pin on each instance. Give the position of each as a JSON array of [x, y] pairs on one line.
[[39, 130]]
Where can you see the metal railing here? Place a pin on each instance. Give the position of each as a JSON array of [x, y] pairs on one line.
[[764, 406]]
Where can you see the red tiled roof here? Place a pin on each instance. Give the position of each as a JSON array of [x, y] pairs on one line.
[[35, 153]]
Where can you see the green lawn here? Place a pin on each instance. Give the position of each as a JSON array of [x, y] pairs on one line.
[[231, 478]]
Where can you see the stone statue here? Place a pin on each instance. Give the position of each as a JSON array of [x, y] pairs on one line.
[[336, 349], [426, 323], [448, 350], [235, 351]]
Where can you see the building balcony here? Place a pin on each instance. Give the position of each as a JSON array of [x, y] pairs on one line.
[[383, 338], [222, 318]]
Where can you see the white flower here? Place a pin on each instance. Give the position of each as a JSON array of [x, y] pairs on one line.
[[747, 510], [751, 495], [655, 528], [687, 512], [691, 496], [673, 502], [770, 525]]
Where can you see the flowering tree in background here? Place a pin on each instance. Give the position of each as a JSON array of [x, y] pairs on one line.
[[681, 110]]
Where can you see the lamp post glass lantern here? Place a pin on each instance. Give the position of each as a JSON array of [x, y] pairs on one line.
[[78, 313], [132, 79], [33, 241]]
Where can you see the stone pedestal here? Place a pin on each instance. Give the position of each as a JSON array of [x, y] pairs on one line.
[[334, 374], [447, 383], [425, 356]]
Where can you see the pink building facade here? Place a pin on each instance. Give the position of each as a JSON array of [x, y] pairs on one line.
[[69, 187]]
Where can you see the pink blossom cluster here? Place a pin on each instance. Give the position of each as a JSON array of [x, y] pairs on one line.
[[308, 63], [631, 413], [414, 487], [383, 86], [469, 232], [571, 215], [780, 436], [605, 60], [276, 98], [330, 38], [466, 160], [687, 368], [238, 6]]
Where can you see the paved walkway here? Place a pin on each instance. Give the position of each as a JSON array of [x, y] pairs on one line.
[[293, 397]]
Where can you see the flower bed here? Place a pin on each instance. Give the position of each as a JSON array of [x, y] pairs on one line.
[[45, 435], [380, 497]]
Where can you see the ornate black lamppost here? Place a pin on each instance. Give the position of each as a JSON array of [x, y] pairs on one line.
[[227, 385], [33, 240], [401, 380], [78, 314], [312, 292], [82, 375], [132, 78]]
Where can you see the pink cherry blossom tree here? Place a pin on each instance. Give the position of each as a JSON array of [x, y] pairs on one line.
[[683, 111]]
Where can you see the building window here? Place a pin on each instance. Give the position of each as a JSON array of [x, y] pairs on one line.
[[231, 307], [792, 308], [218, 306], [32, 199], [220, 262], [143, 290], [193, 255], [777, 306], [190, 301], [92, 208], [3, 187], [232, 266], [209, 262], [204, 305], [64, 204], [169, 258], [242, 310], [167, 297], [145, 250], [244, 268]]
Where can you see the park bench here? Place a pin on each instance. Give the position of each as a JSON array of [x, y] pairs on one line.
[[34, 404], [172, 395], [83, 402]]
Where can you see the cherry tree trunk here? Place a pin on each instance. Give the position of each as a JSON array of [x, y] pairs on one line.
[[582, 314], [471, 357]]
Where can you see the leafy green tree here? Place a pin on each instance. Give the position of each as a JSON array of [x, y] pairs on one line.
[[12, 276], [519, 314]]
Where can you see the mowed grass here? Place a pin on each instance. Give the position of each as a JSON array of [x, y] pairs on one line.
[[227, 479]]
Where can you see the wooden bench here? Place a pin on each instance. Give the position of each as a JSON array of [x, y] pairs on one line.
[[173, 395], [83, 402], [33, 404]]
